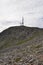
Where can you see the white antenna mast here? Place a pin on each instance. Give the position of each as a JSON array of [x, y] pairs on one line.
[[22, 23]]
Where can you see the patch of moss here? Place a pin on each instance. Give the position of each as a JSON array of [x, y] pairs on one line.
[[32, 37], [5, 45], [17, 59], [10, 42], [24, 41], [36, 46]]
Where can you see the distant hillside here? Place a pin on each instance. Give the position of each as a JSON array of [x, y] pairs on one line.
[[20, 35]]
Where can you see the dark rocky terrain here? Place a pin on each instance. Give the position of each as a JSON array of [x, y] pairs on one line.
[[21, 45]]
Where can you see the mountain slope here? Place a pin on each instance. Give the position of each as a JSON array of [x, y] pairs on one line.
[[21, 45], [19, 35]]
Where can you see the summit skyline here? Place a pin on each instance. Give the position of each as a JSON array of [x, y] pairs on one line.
[[11, 12]]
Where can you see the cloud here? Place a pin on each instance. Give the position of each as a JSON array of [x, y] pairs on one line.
[[13, 10], [40, 22]]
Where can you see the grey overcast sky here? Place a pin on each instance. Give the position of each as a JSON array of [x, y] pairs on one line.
[[11, 12]]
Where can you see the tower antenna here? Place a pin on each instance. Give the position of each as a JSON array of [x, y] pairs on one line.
[[22, 21]]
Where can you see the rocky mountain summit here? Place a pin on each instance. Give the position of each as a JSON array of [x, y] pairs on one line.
[[21, 45]]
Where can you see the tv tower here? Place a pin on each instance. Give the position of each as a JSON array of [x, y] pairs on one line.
[[22, 23]]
